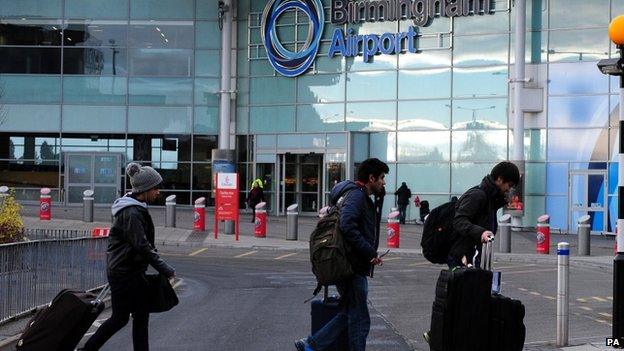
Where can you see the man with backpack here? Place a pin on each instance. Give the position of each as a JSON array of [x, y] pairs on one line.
[[403, 195], [358, 223]]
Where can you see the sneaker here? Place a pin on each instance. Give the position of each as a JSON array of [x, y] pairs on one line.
[[302, 345], [426, 336]]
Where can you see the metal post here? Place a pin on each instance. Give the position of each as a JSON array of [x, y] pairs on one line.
[[563, 290], [584, 237], [292, 215], [517, 83], [504, 233], [225, 16], [170, 211], [4, 192], [87, 205], [618, 262]]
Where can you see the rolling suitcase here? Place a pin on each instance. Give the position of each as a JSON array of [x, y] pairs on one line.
[[322, 312], [461, 310], [61, 325]]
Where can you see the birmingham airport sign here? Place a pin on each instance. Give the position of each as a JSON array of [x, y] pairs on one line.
[[347, 43]]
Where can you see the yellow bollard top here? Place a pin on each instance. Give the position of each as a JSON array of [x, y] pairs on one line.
[[616, 30]]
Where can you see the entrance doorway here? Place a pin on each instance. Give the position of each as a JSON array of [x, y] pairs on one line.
[[588, 196], [100, 172], [301, 181]]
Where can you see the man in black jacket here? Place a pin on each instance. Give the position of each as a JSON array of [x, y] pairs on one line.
[[359, 226], [403, 195], [475, 213], [130, 250]]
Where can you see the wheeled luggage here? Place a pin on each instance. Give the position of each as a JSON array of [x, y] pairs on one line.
[[61, 325], [323, 311]]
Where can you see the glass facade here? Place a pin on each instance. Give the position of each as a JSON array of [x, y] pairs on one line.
[[140, 78]]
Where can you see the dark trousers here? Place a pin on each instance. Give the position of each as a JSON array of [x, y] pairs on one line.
[[463, 246], [403, 211], [354, 317], [127, 295], [253, 214]]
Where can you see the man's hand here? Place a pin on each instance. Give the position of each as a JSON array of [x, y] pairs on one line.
[[377, 261], [485, 237]]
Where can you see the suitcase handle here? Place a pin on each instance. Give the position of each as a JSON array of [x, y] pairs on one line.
[[487, 248], [102, 294]]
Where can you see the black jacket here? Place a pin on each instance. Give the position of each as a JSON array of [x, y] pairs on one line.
[[131, 244], [357, 224], [403, 194], [475, 211]]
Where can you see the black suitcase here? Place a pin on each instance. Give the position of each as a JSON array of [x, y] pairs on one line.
[[507, 328], [61, 325], [323, 311]]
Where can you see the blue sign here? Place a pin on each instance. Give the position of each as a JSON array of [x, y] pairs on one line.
[[286, 62], [388, 43]]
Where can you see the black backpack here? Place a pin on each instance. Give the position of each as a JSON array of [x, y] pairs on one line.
[[328, 250], [438, 233]]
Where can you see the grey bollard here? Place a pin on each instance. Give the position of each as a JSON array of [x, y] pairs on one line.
[[4, 192], [504, 228], [584, 236], [87, 205], [292, 215], [170, 211], [563, 293]]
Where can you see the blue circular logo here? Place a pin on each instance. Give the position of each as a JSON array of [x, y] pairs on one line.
[[286, 62]]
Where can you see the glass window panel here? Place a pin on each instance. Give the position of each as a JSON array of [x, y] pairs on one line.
[[207, 9], [30, 32], [107, 90], [534, 144], [96, 33], [576, 78], [21, 175], [282, 90], [376, 63], [161, 62], [475, 82], [242, 120], [202, 177], [466, 175], [162, 34], [242, 64], [206, 91], [438, 25], [320, 88], [372, 85], [337, 141], [578, 45], [175, 175], [168, 148], [425, 177], [494, 23], [370, 116], [557, 208], [206, 120], [433, 114], [207, 63], [555, 173], [425, 84], [242, 90], [536, 50], [580, 145], [535, 178], [488, 145], [617, 7], [206, 35], [266, 141], [578, 111], [162, 9], [425, 59], [32, 118], [30, 60], [578, 13], [480, 114], [31, 8], [325, 64], [469, 50], [95, 61], [170, 120], [534, 206], [111, 9], [320, 118], [272, 119], [94, 143], [26, 145], [94, 119], [260, 68], [161, 91], [23, 89], [383, 146], [203, 145], [424, 146]]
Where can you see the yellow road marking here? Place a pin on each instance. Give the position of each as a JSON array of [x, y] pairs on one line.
[[608, 315], [245, 254], [535, 293], [610, 298], [419, 264], [549, 297], [286, 255], [522, 289], [198, 251], [581, 300], [391, 259], [586, 308], [599, 299]]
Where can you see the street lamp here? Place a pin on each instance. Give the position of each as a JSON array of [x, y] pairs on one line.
[[474, 111], [614, 67]]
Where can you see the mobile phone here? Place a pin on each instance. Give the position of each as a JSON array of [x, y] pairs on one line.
[[383, 254]]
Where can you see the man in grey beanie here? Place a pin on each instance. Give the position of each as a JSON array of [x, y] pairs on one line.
[[130, 250]]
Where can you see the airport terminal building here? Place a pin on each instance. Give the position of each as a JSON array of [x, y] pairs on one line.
[[317, 86]]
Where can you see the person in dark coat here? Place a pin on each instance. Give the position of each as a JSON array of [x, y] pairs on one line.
[[475, 213], [256, 196], [358, 224], [403, 195], [130, 251]]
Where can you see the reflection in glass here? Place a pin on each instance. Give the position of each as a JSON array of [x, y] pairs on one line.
[[30, 60], [534, 144], [432, 114], [101, 142], [159, 119], [161, 62], [30, 32], [269, 90], [320, 88], [96, 9], [24, 89], [576, 78], [206, 120], [466, 175], [371, 85], [43, 148], [370, 116], [479, 145], [578, 45], [494, 23], [580, 145], [320, 117], [95, 61], [480, 114], [32, 118], [161, 34], [95, 33], [425, 84], [203, 145], [476, 82], [87, 119], [160, 91], [423, 146], [578, 111], [578, 13], [272, 119], [162, 9], [31, 8], [425, 59], [335, 174], [469, 50], [425, 177], [383, 146], [77, 89]]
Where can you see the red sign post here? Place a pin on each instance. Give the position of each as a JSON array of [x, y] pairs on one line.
[[226, 206]]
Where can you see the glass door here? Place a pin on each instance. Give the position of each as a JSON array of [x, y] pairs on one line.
[[100, 172], [588, 196], [310, 182]]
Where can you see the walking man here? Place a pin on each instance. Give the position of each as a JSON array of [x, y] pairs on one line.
[[358, 225], [403, 195]]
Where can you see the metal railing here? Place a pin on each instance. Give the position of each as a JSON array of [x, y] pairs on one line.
[[32, 273], [47, 234]]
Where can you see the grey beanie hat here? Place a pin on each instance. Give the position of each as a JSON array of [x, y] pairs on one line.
[[142, 178]]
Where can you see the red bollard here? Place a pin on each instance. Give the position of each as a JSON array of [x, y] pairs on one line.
[[260, 222], [45, 205], [199, 215], [394, 230], [543, 235]]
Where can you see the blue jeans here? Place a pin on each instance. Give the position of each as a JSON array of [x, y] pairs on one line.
[[354, 317]]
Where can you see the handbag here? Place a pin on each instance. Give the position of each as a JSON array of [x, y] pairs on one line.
[[161, 296]]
